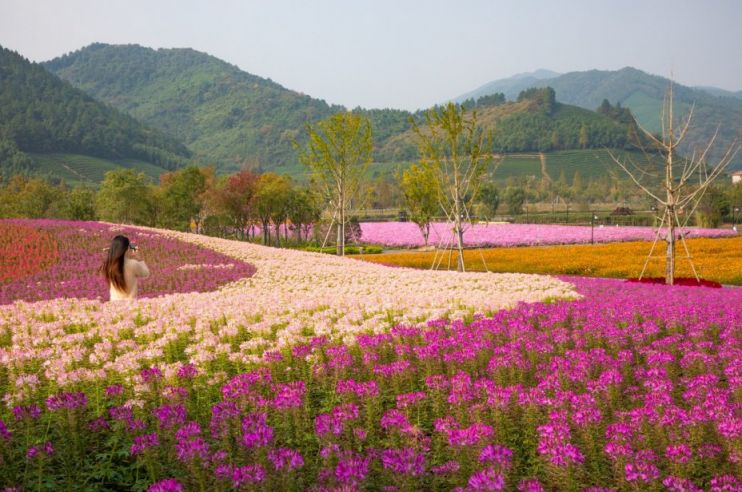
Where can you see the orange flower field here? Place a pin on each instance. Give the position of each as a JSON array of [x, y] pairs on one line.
[[715, 259]]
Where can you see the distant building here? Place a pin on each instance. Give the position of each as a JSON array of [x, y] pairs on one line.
[[737, 177]]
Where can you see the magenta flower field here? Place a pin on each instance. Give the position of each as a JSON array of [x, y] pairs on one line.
[[629, 387], [408, 235], [79, 249]]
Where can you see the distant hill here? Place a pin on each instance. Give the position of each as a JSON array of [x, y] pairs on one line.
[[510, 86], [230, 117], [226, 116], [41, 115], [715, 91], [643, 94]]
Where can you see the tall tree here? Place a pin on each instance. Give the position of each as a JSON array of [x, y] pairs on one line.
[[420, 191], [182, 192], [676, 192], [271, 203], [489, 198], [451, 145], [338, 154], [123, 197]]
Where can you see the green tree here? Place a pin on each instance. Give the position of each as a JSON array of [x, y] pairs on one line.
[[182, 201], [420, 191], [79, 204], [584, 138], [452, 145], [489, 198], [303, 211], [338, 154], [124, 197], [271, 203], [514, 198]]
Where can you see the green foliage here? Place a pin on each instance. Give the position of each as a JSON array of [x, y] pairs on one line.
[[40, 113], [714, 205], [124, 197], [488, 196], [219, 111], [420, 191], [338, 154], [514, 198], [181, 197]]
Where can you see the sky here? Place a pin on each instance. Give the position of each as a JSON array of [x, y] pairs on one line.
[[404, 54]]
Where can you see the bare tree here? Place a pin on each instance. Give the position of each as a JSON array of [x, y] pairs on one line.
[[451, 146], [677, 188]]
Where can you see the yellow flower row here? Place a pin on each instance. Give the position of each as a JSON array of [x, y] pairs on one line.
[[714, 259]]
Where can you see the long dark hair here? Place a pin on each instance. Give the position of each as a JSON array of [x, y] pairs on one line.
[[113, 266]]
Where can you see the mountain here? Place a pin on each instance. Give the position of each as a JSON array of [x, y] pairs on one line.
[[643, 94], [715, 91], [224, 115], [510, 86], [229, 117], [42, 115]]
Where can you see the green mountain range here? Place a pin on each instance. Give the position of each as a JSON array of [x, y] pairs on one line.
[[643, 94], [229, 117], [225, 116], [47, 126]]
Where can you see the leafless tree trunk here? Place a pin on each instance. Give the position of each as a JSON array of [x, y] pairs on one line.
[[679, 194]]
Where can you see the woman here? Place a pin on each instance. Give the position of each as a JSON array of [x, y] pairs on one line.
[[122, 270]]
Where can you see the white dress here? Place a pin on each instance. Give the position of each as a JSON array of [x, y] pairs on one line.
[[133, 270]]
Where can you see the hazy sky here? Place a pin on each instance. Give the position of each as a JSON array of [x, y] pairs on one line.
[[397, 53]]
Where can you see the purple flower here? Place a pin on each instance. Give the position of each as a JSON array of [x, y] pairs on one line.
[[496, 454], [32, 412], [725, 483], [170, 415], [167, 485], [290, 395], [187, 371], [151, 374], [677, 484], [240, 475], [69, 401], [255, 431], [447, 467], [679, 453], [530, 485], [4, 432], [45, 448], [406, 400], [487, 480], [99, 424], [351, 469], [405, 461], [285, 458], [188, 450], [114, 390], [144, 442]]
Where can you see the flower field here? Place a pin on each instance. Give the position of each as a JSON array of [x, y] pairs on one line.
[[46, 259], [408, 235], [322, 373], [715, 259]]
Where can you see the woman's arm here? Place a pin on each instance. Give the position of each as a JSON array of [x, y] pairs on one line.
[[140, 269]]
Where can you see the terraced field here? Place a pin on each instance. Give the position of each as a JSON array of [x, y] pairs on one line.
[[77, 169]]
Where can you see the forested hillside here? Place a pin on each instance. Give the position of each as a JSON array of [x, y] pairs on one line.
[[229, 117], [39, 113], [643, 94], [226, 116]]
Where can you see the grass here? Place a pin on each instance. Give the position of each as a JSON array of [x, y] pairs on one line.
[[715, 259]]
